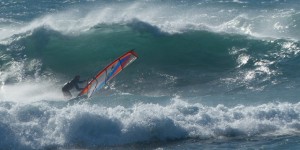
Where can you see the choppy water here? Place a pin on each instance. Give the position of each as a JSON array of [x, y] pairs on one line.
[[210, 74]]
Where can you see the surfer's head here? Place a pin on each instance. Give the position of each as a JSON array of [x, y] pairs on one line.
[[77, 77]]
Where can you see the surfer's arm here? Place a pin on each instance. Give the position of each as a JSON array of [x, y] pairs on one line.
[[82, 81], [78, 88]]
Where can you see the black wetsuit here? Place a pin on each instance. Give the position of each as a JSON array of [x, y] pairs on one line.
[[70, 85]]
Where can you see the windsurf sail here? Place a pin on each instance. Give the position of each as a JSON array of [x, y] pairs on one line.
[[108, 73]]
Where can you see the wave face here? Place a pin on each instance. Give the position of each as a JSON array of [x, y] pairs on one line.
[[208, 72]]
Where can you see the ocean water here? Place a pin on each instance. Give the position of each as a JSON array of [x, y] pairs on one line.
[[210, 74]]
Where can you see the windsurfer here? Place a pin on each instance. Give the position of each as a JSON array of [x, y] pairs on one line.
[[70, 85]]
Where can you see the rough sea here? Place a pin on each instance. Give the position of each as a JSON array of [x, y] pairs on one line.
[[211, 74]]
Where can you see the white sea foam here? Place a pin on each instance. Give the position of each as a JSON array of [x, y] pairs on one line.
[[41, 124]]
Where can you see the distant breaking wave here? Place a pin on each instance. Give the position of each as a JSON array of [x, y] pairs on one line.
[[165, 17]]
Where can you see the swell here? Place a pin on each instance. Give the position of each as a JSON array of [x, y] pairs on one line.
[[192, 59]]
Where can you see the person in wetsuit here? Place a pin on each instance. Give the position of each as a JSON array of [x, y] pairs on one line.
[[70, 85]]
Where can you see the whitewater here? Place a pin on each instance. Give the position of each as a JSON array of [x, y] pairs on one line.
[[210, 74]]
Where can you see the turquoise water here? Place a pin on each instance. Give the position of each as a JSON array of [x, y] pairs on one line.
[[210, 74]]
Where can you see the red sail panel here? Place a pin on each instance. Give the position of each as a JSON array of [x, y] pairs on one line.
[[108, 73]]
